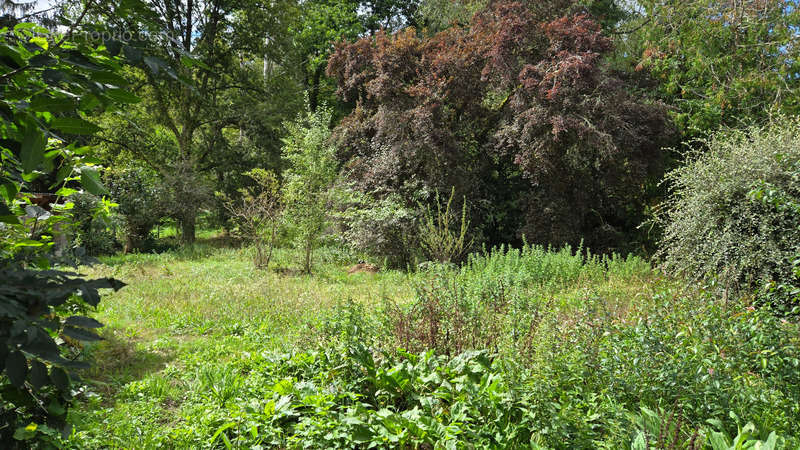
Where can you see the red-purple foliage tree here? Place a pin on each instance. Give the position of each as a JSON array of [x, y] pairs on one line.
[[517, 111]]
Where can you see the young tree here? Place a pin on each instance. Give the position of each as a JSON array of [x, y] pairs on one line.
[[258, 213], [310, 178]]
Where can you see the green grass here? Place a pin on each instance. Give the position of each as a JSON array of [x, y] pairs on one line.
[[184, 309], [204, 351]]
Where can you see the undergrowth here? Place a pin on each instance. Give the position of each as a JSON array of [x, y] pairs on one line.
[[515, 349]]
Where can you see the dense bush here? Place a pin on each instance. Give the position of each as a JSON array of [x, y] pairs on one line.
[[142, 201], [90, 225], [42, 309], [384, 229], [717, 228]]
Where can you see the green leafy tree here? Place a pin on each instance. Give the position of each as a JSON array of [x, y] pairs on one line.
[[720, 62], [197, 80], [309, 179]]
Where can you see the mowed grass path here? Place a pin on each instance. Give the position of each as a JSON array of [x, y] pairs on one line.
[[185, 312]]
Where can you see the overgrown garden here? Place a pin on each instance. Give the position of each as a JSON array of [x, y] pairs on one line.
[[391, 224]]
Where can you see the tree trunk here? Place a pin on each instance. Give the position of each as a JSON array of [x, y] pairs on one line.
[[188, 226], [308, 257], [128, 244], [313, 95]]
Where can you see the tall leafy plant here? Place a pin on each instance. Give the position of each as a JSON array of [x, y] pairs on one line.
[[310, 179], [442, 239]]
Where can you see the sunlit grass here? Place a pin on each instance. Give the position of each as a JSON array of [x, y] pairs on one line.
[[189, 332]]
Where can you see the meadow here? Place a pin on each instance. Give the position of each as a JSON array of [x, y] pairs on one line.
[[435, 140], [517, 348]]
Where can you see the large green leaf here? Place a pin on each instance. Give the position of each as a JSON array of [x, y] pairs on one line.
[[9, 191], [6, 216], [81, 334], [107, 77], [122, 96], [52, 104], [83, 321], [32, 150], [74, 125], [38, 376], [60, 378], [16, 368], [90, 180]]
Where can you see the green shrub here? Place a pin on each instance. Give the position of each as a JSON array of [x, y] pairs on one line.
[[142, 201], [384, 229], [715, 230], [90, 229], [309, 180]]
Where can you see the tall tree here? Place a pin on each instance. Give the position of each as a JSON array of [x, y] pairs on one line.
[[722, 62], [209, 60], [518, 111], [322, 23]]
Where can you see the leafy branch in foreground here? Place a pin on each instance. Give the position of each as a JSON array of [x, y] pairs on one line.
[[40, 320], [50, 86]]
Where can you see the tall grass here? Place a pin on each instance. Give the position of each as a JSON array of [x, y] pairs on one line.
[[537, 265], [497, 299]]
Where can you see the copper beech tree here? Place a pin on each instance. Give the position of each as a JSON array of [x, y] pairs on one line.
[[518, 111]]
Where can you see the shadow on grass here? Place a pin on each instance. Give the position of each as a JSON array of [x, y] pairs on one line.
[[118, 360]]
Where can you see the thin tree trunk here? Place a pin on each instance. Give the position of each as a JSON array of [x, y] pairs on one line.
[[308, 257]]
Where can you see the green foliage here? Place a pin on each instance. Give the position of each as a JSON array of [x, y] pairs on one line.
[[782, 293], [555, 349], [437, 15], [206, 98], [142, 202], [309, 179], [658, 430], [383, 228], [715, 229], [41, 311], [495, 300], [90, 223], [719, 63], [50, 84], [439, 238]]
